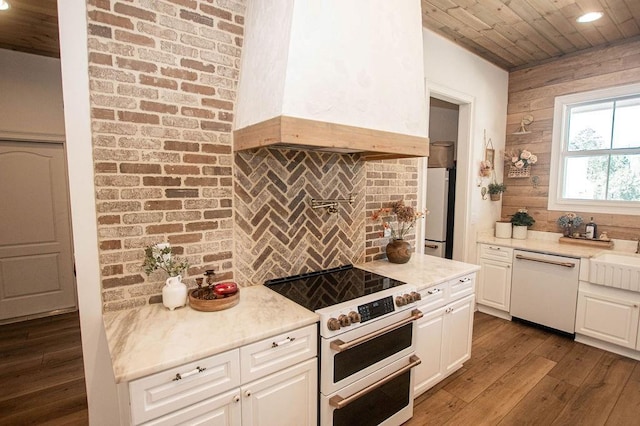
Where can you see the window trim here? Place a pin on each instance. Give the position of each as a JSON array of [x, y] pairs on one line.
[[555, 201]]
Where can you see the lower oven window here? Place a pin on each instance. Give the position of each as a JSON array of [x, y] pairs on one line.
[[368, 353], [376, 406]]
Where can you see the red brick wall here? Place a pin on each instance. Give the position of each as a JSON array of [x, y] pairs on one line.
[[163, 76]]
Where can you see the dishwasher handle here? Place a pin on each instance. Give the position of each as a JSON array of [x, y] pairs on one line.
[[550, 262]]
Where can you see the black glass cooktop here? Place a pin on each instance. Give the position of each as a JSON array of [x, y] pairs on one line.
[[317, 290]]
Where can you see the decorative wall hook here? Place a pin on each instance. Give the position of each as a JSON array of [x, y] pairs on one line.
[[526, 120]]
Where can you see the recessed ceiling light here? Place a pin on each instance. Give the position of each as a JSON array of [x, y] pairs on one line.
[[4, 5], [589, 17]]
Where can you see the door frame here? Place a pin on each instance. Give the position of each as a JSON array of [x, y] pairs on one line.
[[464, 175]]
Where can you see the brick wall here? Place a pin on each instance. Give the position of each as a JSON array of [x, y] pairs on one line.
[[277, 232], [387, 181], [163, 76]]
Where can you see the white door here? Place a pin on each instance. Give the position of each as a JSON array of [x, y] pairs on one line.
[[36, 266]]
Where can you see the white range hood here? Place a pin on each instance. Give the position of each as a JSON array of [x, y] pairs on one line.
[[334, 75]]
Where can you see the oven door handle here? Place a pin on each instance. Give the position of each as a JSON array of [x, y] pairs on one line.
[[339, 402], [340, 346]]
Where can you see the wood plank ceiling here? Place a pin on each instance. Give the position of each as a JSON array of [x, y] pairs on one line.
[[517, 33], [30, 26], [509, 33]]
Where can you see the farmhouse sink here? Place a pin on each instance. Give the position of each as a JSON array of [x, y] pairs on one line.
[[619, 270]]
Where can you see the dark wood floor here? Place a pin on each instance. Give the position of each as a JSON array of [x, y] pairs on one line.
[[519, 375], [41, 372]]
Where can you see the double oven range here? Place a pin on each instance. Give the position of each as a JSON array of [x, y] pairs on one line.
[[367, 343]]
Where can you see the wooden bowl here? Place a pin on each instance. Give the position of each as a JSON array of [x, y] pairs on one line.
[[214, 304]]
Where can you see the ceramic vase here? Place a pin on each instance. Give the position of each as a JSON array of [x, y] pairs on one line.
[[398, 251], [503, 229], [520, 232], [174, 293]]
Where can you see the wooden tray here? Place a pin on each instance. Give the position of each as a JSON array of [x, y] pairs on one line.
[[215, 304], [587, 242]]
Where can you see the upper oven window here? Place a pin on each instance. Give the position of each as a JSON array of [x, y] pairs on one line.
[[370, 352]]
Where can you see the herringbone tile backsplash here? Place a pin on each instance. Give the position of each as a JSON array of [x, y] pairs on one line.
[[277, 233]]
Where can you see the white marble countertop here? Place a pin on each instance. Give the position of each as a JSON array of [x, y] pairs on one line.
[[150, 339], [422, 270], [547, 246]]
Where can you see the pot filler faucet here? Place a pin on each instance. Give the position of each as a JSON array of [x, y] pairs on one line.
[[638, 248]]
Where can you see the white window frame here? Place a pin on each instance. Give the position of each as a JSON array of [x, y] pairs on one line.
[[560, 117]]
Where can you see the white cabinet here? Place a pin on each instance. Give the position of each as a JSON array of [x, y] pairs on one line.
[[607, 314], [429, 344], [288, 397], [458, 329], [494, 278], [221, 410], [273, 381], [443, 340], [170, 390]]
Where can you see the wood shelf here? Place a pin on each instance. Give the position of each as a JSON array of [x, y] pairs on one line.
[[299, 133]]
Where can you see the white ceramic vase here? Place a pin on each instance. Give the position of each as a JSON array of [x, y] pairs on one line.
[[503, 229], [520, 232], [174, 293]]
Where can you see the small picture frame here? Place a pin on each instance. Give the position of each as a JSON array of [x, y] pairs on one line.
[[490, 155]]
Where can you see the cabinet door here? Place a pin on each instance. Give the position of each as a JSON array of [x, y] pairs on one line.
[[609, 319], [429, 339], [289, 397], [494, 284], [221, 410], [458, 323]]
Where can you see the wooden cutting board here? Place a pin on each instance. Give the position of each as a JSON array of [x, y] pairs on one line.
[[587, 242]]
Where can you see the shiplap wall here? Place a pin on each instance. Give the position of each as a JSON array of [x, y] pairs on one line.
[[533, 91]]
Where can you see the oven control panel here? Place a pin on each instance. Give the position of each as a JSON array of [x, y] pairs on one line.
[[375, 309], [348, 315]]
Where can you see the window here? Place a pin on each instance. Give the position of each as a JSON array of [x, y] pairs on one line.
[[595, 161]]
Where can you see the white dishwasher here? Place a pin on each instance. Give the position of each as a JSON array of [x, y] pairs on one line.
[[544, 289]]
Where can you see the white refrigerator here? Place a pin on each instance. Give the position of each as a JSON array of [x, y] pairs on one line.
[[439, 222]]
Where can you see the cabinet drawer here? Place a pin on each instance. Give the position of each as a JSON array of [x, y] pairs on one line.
[[223, 409], [434, 297], [162, 393], [278, 352], [489, 251], [462, 286]]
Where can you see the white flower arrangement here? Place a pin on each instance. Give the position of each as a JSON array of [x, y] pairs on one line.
[[522, 159]]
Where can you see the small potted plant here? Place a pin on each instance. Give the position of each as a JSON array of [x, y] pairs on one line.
[[521, 221], [495, 190], [159, 256]]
